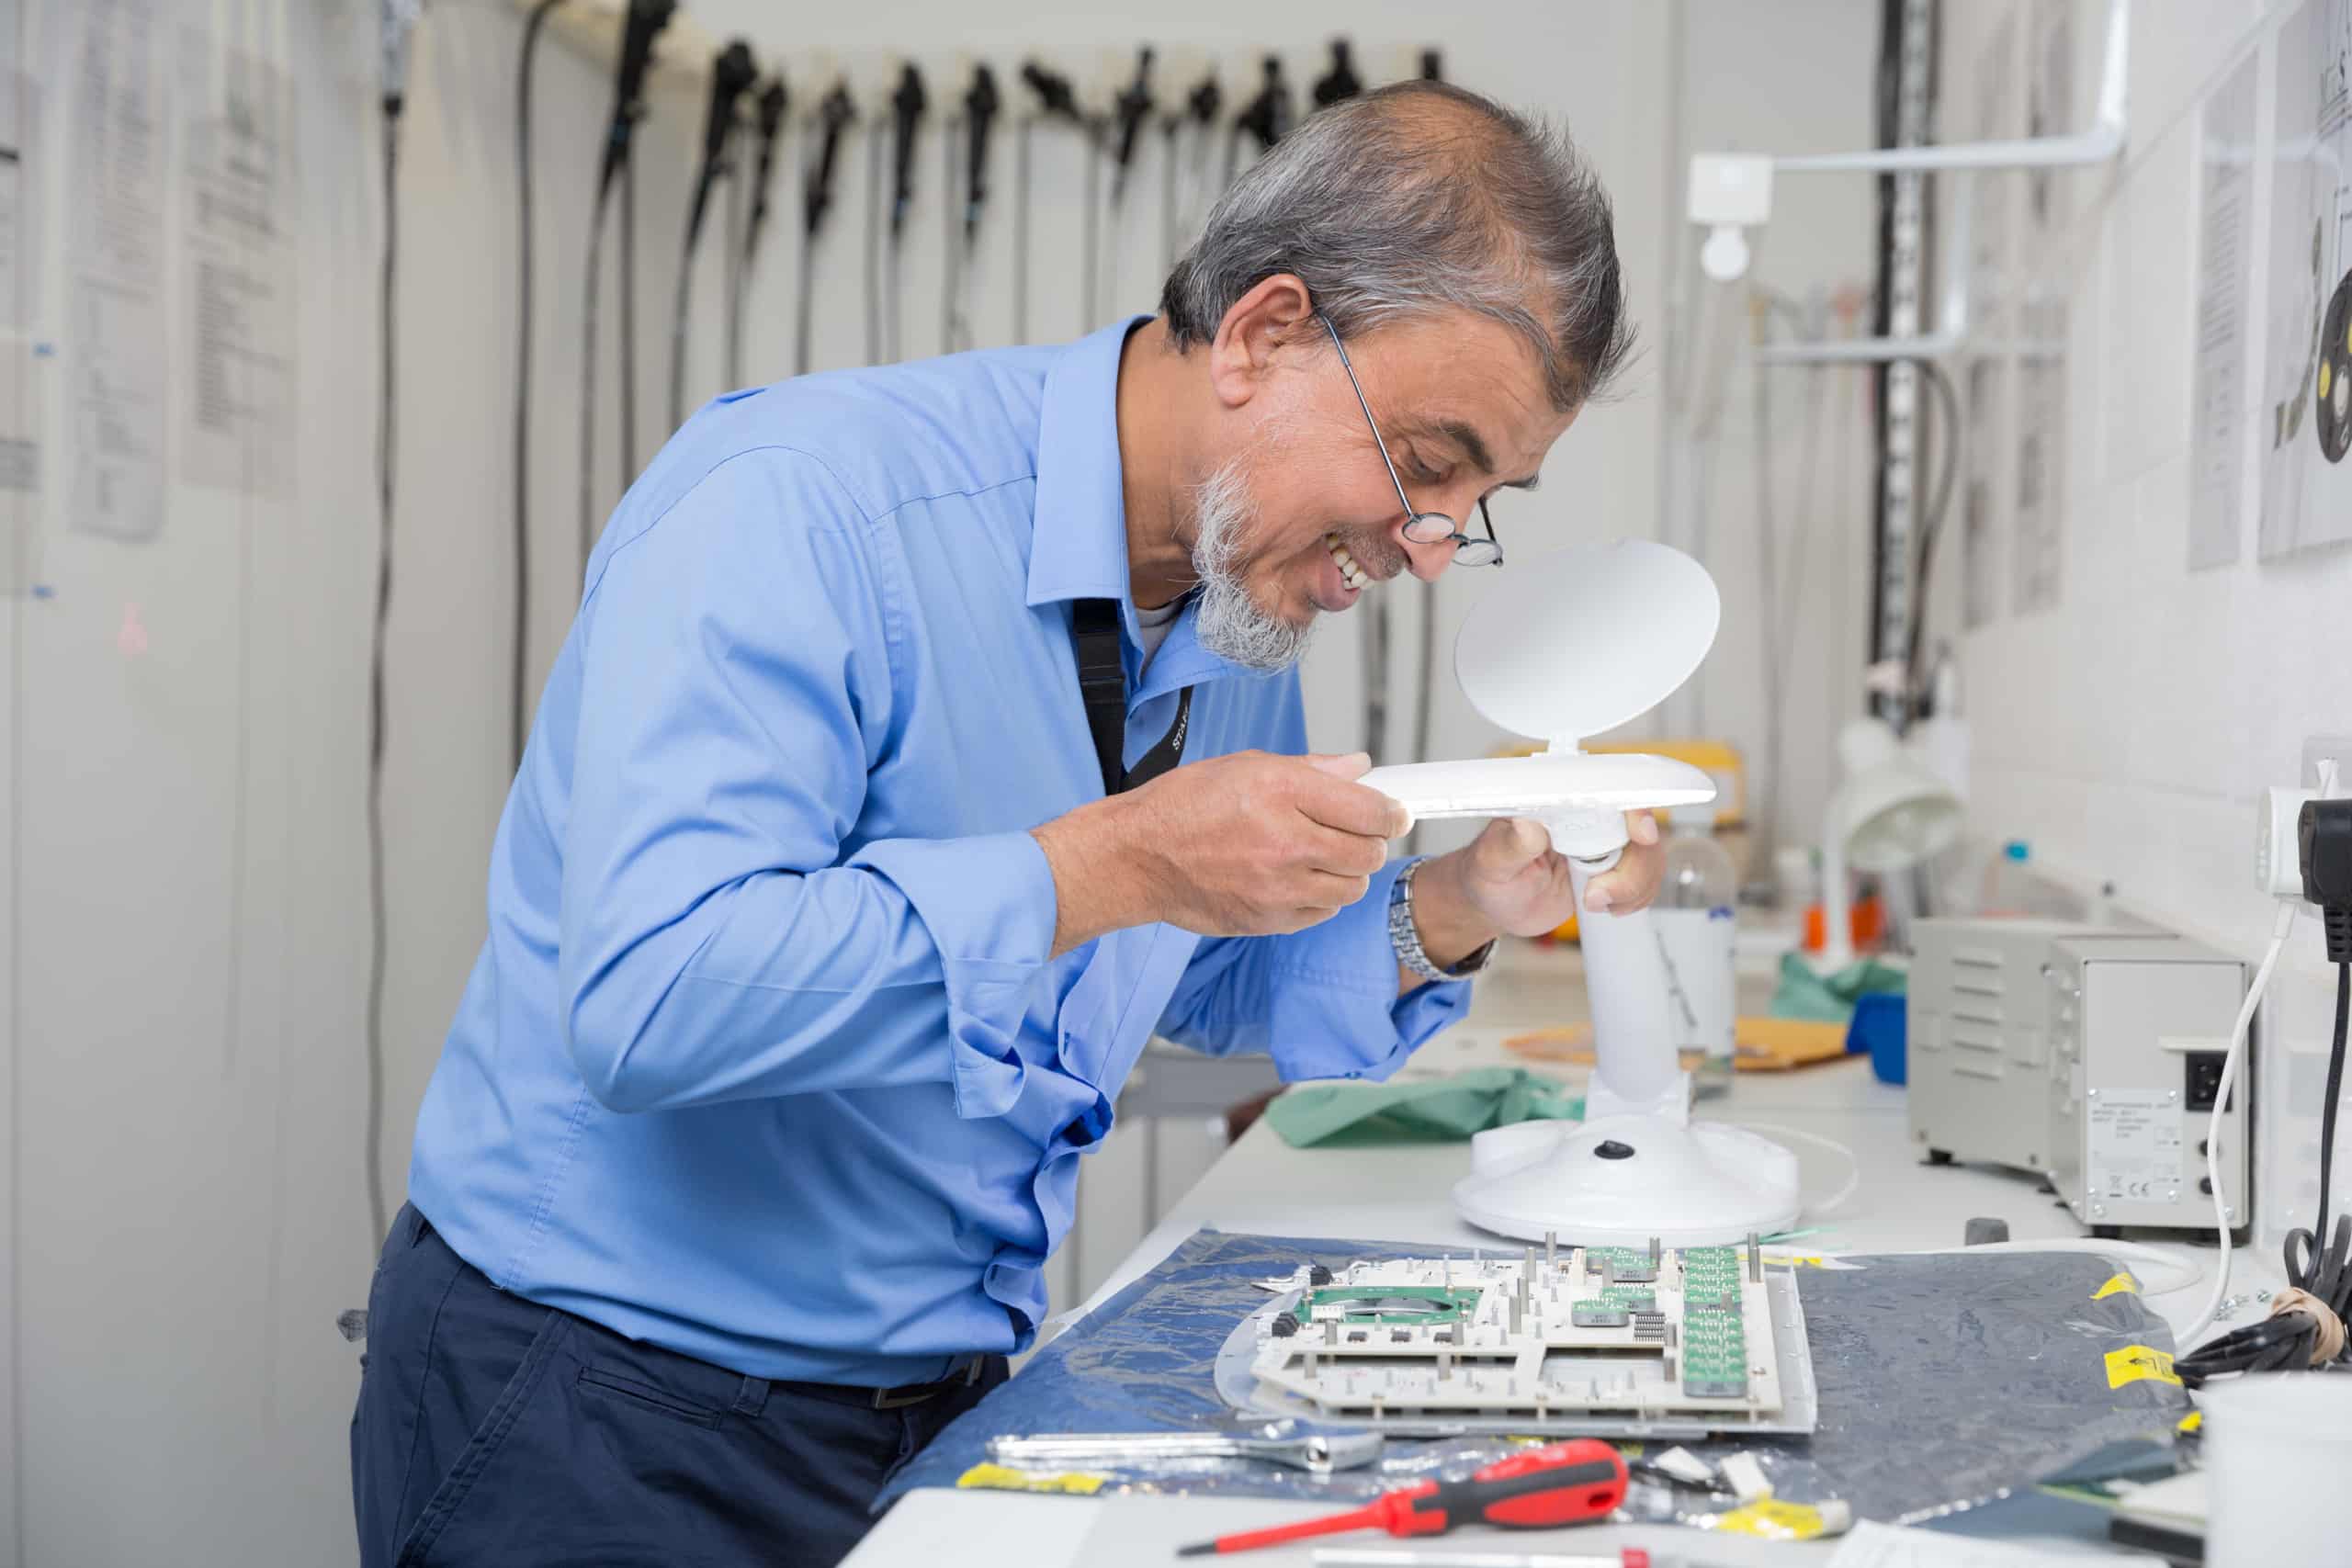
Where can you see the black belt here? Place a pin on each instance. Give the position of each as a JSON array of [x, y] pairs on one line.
[[893, 1398], [1103, 682]]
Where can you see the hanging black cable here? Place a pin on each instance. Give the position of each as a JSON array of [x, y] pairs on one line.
[[774, 100], [518, 701], [1199, 118], [1129, 112], [835, 110], [732, 75], [981, 106], [399, 19], [1931, 526], [1265, 119], [1056, 100], [908, 105], [643, 24]]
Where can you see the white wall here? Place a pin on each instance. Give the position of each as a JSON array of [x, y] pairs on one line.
[[186, 932], [2127, 733]]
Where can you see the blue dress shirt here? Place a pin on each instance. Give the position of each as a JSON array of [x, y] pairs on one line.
[[765, 1060]]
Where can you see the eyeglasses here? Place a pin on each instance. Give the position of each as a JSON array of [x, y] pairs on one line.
[[1421, 527]]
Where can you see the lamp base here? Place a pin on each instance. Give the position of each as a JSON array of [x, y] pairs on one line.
[[1621, 1179]]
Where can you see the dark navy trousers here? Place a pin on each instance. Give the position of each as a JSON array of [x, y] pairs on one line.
[[491, 1430]]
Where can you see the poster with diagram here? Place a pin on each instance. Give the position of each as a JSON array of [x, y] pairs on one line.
[[2305, 420], [2225, 246], [236, 413], [2038, 477]]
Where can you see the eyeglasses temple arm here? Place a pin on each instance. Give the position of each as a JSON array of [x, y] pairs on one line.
[[1403, 500]]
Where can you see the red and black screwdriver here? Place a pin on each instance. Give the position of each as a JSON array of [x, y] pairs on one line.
[[1560, 1484]]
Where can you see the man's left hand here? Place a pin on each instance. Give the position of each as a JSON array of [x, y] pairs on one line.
[[1511, 880]]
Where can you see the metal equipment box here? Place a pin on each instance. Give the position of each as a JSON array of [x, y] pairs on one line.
[[2089, 1054]]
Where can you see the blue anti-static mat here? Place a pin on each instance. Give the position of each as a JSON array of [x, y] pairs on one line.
[[1946, 1381]]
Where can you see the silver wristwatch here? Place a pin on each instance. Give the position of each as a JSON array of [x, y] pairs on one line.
[[1406, 938]]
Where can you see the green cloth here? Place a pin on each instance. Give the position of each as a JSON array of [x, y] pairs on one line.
[[1432, 1111], [1829, 998]]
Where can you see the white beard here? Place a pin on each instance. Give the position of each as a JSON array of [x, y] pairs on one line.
[[1231, 625]]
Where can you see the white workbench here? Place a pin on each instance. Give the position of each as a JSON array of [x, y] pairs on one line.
[[1262, 1186]]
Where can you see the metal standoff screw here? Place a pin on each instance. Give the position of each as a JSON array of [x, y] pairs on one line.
[[1551, 1249], [2099, 1209], [2092, 1093]]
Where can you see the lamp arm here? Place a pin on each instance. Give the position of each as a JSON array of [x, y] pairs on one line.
[[1635, 1071]]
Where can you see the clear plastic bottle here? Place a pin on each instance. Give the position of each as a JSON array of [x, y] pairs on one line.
[[1695, 921]]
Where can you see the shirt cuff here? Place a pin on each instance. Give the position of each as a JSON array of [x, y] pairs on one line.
[[1336, 1010], [990, 907]]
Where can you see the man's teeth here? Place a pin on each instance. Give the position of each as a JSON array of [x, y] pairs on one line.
[[1351, 573]]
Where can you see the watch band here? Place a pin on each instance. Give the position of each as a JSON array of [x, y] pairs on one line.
[[1406, 938]]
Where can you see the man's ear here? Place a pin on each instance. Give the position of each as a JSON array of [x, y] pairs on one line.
[[1271, 317]]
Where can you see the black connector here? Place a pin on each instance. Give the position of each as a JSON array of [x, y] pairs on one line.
[[1341, 83], [834, 112], [2324, 842], [982, 105], [1057, 99], [906, 107], [1267, 117], [1128, 112]]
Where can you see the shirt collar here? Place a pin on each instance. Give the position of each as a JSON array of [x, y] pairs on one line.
[[1079, 548]]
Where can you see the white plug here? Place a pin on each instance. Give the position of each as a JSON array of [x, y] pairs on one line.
[[2277, 859]]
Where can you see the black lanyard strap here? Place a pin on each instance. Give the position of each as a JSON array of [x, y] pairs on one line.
[[1102, 681]]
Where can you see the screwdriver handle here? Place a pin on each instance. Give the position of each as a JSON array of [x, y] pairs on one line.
[[1560, 1484]]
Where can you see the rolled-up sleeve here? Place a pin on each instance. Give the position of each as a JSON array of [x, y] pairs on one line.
[[715, 942], [1322, 1002]]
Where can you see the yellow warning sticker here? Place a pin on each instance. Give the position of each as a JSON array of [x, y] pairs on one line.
[[2139, 1363], [1769, 1519], [2192, 1422], [1001, 1478], [2118, 1285]]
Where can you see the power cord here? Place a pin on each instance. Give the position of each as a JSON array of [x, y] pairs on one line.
[[399, 22], [2306, 1325]]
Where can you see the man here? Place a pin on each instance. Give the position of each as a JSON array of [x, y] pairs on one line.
[[818, 949]]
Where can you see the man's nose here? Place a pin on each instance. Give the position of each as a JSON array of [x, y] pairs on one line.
[[1427, 562]]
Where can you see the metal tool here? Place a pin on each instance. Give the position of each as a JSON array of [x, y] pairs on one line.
[[1318, 1453]]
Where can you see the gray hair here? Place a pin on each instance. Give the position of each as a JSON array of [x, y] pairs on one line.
[[1417, 198]]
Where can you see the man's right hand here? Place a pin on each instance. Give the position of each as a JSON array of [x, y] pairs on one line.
[[1248, 844]]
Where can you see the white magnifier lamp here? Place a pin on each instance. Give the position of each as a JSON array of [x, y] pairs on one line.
[[1567, 647], [1891, 814]]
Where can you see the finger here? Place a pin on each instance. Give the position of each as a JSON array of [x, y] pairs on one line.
[[1626, 887], [1310, 915], [1330, 888], [1342, 854], [1352, 808], [1642, 826], [1508, 845], [1351, 765]]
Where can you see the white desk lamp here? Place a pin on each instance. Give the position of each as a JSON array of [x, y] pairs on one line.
[[1891, 813], [1566, 648]]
